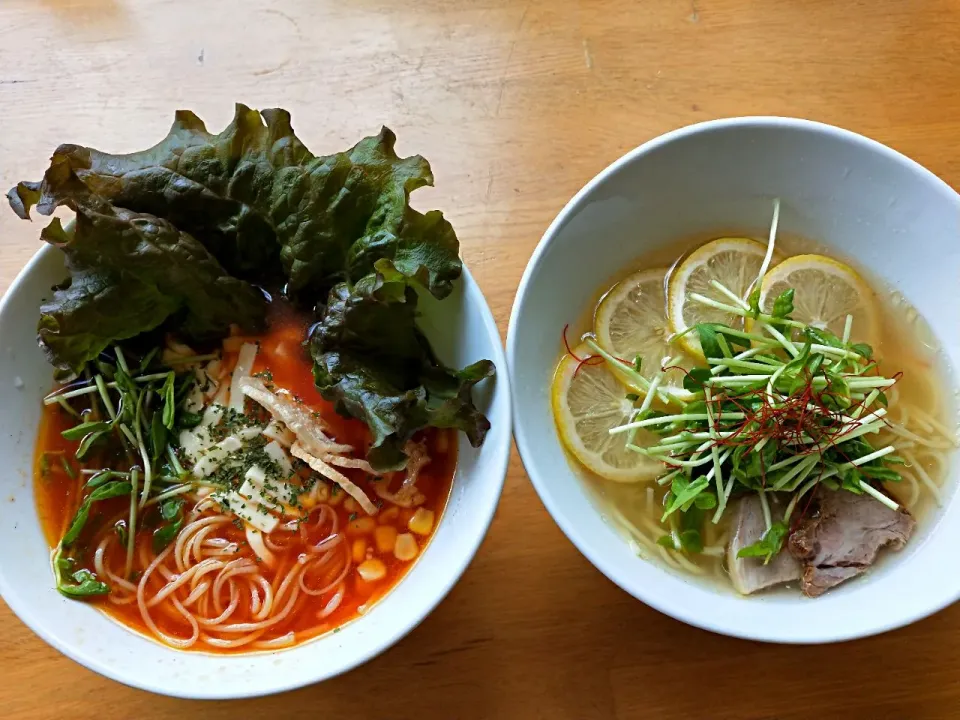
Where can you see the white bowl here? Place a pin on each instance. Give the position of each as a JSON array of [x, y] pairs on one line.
[[853, 194], [462, 330]]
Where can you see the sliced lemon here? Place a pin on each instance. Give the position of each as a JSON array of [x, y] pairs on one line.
[[631, 321], [586, 404], [825, 292], [733, 262]]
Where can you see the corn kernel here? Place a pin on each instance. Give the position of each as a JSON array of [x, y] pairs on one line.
[[390, 514], [359, 550], [385, 536], [422, 522], [322, 491], [405, 548], [372, 570], [361, 526], [336, 495], [351, 505]]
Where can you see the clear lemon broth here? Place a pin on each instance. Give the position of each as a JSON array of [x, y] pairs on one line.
[[906, 344]]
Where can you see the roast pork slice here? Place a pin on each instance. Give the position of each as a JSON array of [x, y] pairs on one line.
[[749, 575], [842, 540]]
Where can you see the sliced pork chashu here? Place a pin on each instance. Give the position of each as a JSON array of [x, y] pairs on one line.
[[844, 537], [750, 575]]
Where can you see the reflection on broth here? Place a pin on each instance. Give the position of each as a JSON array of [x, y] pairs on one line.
[[788, 443]]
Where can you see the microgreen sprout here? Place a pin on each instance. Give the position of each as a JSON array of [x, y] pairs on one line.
[[780, 407]]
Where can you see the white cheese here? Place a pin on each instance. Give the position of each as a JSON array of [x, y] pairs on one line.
[[249, 433], [212, 458], [195, 441], [276, 453], [256, 505], [252, 511]]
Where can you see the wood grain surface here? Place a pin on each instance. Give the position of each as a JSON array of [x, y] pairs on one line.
[[517, 105]]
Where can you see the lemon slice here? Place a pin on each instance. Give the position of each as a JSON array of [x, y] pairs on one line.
[[586, 404], [825, 292], [734, 262], [631, 321]]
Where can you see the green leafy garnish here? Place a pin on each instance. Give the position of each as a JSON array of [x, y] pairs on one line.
[[129, 273], [682, 494], [754, 302], [80, 584], [88, 441], [76, 525], [168, 392], [188, 420], [783, 305], [768, 546], [695, 378], [822, 336], [158, 436], [99, 479], [691, 541], [709, 340], [78, 431], [85, 584], [177, 236], [705, 501], [372, 361], [263, 204], [689, 536], [87, 433], [114, 488], [172, 512], [784, 409]]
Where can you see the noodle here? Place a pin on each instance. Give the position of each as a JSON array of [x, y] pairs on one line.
[[924, 477], [333, 604], [329, 586]]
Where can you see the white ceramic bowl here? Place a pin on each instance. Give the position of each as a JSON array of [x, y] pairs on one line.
[[462, 330], [853, 194]]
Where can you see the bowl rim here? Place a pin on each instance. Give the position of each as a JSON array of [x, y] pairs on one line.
[[527, 451], [494, 472]]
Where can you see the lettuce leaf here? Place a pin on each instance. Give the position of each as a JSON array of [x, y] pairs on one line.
[[372, 361], [176, 235], [129, 273], [260, 200]]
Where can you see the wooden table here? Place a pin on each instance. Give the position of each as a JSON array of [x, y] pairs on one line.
[[516, 105]]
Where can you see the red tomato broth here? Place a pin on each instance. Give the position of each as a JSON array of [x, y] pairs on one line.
[[283, 355]]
